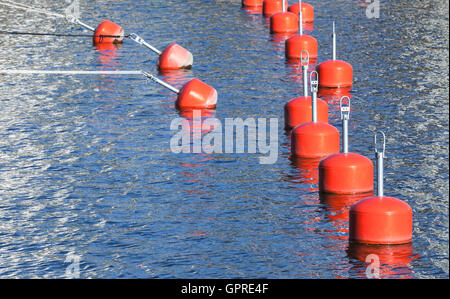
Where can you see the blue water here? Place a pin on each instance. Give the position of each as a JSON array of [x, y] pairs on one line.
[[86, 167]]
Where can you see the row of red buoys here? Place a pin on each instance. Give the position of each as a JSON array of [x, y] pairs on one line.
[[195, 94], [372, 220]]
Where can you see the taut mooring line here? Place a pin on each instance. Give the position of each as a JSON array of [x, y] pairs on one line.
[[60, 72]]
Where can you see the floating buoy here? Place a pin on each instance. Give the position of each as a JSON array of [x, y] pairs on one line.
[[271, 7], [175, 57], [307, 11], [108, 33], [252, 3], [284, 22], [314, 139], [335, 73], [380, 219], [299, 110], [297, 43], [345, 173], [196, 95], [338, 206]]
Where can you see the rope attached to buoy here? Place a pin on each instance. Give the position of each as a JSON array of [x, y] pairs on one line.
[[56, 34], [61, 72]]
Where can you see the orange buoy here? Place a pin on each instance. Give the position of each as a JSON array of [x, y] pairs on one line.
[[193, 95], [380, 219], [271, 7], [175, 57], [345, 173], [297, 43], [252, 3], [308, 173], [300, 109], [307, 11], [283, 22], [335, 73], [108, 33], [196, 95], [314, 139]]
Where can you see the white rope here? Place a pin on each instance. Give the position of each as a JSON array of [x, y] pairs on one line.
[[47, 72], [26, 7]]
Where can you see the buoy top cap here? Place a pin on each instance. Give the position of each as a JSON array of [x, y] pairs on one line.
[[315, 128], [345, 160], [381, 205], [340, 64]]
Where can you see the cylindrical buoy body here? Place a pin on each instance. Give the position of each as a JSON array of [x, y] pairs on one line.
[[346, 173], [108, 33], [335, 74], [299, 111], [380, 220], [314, 140], [307, 11], [271, 7], [252, 3], [283, 22], [196, 95], [297, 43], [175, 57]]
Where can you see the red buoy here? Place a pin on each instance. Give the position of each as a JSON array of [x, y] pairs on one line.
[[345, 173], [307, 11], [196, 95], [335, 73], [300, 109], [252, 3], [385, 260], [314, 140], [175, 57], [380, 219], [271, 7], [299, 42], [284, 22], [108, 33]]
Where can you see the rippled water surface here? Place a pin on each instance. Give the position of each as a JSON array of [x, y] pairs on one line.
[[86, 167]]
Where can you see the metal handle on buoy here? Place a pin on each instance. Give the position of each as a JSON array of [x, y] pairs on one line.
[[334, 42], [304, 62], [137, 39], [161, 82], [380, 154], [345, 116], [314, 83]]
